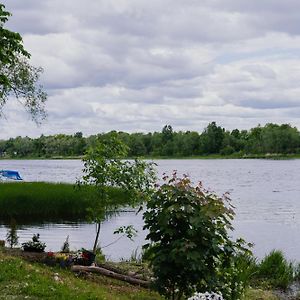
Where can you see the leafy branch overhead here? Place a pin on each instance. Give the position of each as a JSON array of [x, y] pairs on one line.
[[18, 78]]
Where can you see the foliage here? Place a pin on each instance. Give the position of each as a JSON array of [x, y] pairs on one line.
[[35, 245], [12, 236], [212, 139], [66, 246], [100, 257], [17, 76], [40, 201], [235, 273], [128, 231], [276, 270], [189, 247], [105, 168], [272, 139]]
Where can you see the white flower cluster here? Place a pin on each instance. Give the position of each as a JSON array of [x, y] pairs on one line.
[[206, 296]]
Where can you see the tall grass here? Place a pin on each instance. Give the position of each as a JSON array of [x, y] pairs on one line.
[[275, 270], [40, 200]]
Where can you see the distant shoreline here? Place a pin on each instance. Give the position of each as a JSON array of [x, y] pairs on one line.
[[273, 156]]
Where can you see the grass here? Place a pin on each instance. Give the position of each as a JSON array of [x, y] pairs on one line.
[[275, 271], [258, 294], [49, 201], [20, 279]]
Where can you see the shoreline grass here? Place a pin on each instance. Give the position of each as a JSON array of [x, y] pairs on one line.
[[50, 201]]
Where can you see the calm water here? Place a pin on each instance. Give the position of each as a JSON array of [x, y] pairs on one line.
[[266, 195]]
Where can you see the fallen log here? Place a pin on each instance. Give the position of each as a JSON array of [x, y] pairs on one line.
[[105, 272]]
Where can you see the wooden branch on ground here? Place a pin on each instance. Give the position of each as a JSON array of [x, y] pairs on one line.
[[111, 274]]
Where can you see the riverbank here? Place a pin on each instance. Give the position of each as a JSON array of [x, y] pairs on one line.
[[24, 279], [20, 279]]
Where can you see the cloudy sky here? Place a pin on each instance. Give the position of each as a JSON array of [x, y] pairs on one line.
[[136, 65]]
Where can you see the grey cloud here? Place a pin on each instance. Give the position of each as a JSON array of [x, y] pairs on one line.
[[137, 65]]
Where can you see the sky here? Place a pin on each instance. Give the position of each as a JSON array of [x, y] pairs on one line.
[[136, 65]]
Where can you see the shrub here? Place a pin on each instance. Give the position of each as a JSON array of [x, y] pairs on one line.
[[35, 245], [12, 236], [190, 249]]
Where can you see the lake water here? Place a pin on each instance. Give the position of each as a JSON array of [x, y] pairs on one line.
[[266, 194]]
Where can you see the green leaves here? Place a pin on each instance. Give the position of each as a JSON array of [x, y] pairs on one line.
[[17, 76], [188, 238], [129, 231], [105, 168]]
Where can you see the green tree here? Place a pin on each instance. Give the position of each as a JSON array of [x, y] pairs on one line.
[[79, 144], [136, 145], [17, 77], [279, 138], [190, 248], [255, 140], [211, 139], [105, 168], [167, 141]]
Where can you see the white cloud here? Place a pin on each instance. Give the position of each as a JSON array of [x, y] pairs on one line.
[[137, 65]]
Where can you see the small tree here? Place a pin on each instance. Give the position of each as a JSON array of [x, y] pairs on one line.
[[190, 248], [12, 236], [105, 168]]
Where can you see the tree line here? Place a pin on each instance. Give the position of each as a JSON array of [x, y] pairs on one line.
[[260, 140]]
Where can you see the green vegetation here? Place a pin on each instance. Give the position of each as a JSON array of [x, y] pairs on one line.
[[34, 245], [12, 236], [21, 280], [105, 168], [269, 141], [49, 201], [275, 271], [17, 77], [190, 249]]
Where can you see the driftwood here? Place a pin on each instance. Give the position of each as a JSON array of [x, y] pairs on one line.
[[111, 274]]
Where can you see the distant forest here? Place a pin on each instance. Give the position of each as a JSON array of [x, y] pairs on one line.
[[214, 140]]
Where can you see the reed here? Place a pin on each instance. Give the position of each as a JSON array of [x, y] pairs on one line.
[[276, 270], [41, 200]]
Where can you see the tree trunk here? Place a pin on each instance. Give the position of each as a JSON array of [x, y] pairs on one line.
[[111, 274], [98, 226]]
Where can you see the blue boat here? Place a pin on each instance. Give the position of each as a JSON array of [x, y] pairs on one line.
[[9, 175]]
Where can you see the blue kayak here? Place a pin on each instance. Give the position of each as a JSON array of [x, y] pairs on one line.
[[10, 175]]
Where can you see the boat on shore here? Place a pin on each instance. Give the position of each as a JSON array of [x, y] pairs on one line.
[[10, 175]]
